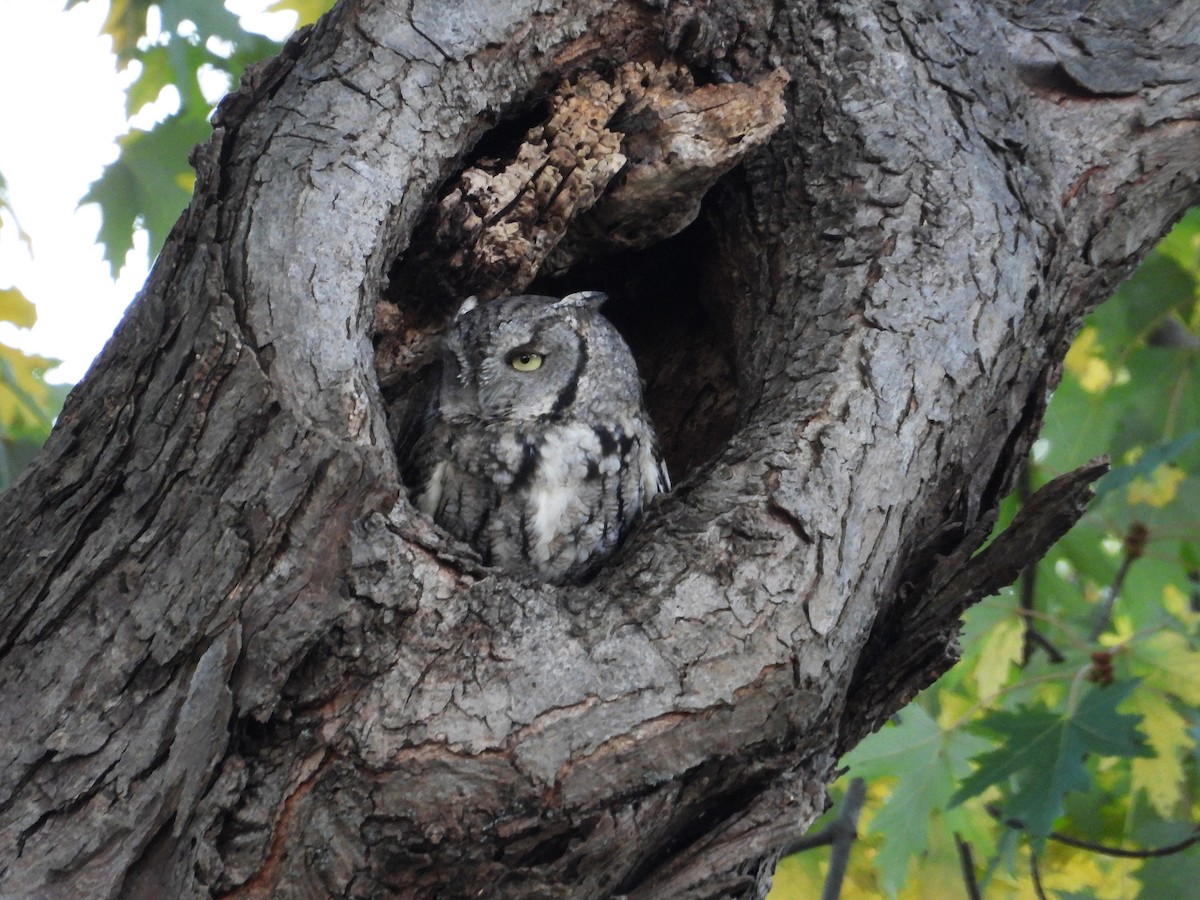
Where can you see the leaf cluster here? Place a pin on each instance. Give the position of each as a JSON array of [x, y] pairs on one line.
[[173, 46], [28, 404], [1059, 758], [176, 46]]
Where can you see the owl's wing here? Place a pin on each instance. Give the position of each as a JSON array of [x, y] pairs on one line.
[[414, 435], [655, 478], [664, 477]]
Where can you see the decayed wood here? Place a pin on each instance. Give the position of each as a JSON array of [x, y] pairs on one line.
[[234, 661], [502, 221]]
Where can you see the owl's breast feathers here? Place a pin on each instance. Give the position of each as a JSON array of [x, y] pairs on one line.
[[554, 501]]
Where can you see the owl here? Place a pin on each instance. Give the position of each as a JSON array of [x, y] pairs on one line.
[[537, 449]]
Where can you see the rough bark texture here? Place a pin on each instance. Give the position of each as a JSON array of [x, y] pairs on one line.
[[236, 662]]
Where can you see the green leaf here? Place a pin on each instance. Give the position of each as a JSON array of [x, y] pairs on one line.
[[185, 58], [1182, 243], [150, 183], [21, 439], [1159, 401], [1169, 876], [1083, 549], [1189, 555], [126, 25], [26, 402], [211, 19], [927, 761], [308, 10], [156, 74], [1169, 662], [1159, 287], [1147, 463], [1122, 393], [249, 50], [1042, 754], [1077, 426], [116, 193]]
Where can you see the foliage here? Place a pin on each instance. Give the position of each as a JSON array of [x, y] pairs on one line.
[[27, 403], [151, 180], [1069, 730]]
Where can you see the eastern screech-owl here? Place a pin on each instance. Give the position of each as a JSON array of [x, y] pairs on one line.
[[537, 449]]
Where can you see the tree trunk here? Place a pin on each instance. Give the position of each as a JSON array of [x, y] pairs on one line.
[[236, 661]]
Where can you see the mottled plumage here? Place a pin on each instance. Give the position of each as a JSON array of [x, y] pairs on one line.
[[538, 450]]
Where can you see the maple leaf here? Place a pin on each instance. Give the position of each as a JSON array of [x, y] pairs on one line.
[[1162, 778], [1042, 754], [927, 761]]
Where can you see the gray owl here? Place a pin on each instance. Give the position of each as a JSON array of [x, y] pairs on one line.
[[537, 449]]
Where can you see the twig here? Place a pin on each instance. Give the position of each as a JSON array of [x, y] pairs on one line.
[[1149, 853], [968, 868], [1036, 875], [1027, 587], [845, 828], [1134, 546], [829, 834], [1102, 849], [1033, 636]]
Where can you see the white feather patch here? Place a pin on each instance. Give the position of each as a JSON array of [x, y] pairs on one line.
[[431, 497], [555, 502]]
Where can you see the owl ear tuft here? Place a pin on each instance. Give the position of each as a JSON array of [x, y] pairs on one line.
[[587, 299], [467, 305]]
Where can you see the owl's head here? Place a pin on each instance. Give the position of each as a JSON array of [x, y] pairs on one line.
[[531, 357]]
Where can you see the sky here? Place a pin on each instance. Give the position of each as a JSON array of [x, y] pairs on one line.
[[62, 106]]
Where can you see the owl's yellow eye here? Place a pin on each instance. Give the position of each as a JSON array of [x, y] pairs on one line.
[[525, 360]]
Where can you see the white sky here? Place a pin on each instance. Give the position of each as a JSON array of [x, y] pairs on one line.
[[62, 106]]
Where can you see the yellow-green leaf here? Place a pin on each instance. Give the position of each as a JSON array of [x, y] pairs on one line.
[[1085, 362], [126, 24], [308, 10], [15, 307], [1167, 662], [1069, 872], [1161, 776], [1000, 649], [1178, 604], [1159, 489], [24, 395]]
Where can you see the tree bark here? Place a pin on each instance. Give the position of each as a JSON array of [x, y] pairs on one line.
[[235, 661]]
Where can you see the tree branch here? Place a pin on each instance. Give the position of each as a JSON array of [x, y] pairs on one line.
[[1133, 546], [845, 831], [967, 865], [909, 643], [848, 813], [1027, 582], [1102, 849], [1035, 875]]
